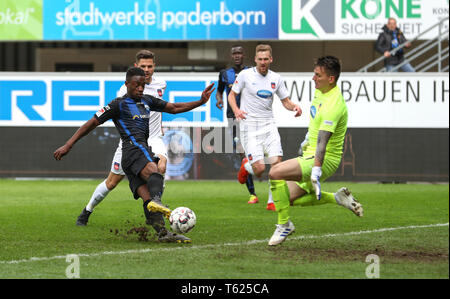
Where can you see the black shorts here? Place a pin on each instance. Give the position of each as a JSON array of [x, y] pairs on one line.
[[134, 159]]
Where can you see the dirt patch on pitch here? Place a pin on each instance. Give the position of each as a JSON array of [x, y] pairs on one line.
[[316, 254], [141, 231]]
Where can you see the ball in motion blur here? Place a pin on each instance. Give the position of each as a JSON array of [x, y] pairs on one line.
[[182, 220]]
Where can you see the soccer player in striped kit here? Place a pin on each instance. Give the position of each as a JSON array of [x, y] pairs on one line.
[[131, 115], [154, 86], [226, 80]]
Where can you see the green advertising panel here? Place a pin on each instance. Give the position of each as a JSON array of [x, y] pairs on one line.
[[21, 20], [358, 19]]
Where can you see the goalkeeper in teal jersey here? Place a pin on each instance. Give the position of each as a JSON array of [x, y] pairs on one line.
[[298, 181]]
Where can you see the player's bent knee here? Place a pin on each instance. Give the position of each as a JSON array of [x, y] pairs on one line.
[[275, 173], [258, 169], [113, 180], [148, 170]]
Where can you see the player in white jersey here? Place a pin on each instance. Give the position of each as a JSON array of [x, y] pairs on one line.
[[258, 131], [145, 60]]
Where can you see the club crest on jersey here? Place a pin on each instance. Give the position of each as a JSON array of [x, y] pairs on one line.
[[313, 111], [272, 85], [159, 92], [101, 111], [116, 165], [250, 158], [264, 94]]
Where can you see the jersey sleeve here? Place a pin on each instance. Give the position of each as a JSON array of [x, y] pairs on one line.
[[108, 112], [239, 83], [154, 103], [221, 83], [282, 91]]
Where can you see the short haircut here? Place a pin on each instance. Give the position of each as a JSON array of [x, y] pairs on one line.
[[145, 54], [331, 65], [263, 48], [392, 19], [134, 71], [236, 46]]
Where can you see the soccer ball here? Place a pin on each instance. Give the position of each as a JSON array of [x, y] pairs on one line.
[[182, 220]]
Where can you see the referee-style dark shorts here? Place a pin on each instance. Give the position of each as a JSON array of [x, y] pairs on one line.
[[134, 159]]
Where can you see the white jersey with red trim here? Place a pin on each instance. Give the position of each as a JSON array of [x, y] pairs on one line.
[[257, 92]]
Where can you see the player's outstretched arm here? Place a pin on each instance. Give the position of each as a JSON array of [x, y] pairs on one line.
[[289, 105], [175, 108], [85, 129]]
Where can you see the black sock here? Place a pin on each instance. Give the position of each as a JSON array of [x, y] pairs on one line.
[[250, 185], [156, 220], [146, 211], [155, 185]]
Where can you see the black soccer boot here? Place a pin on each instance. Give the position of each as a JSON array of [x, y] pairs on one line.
[[83, 219]]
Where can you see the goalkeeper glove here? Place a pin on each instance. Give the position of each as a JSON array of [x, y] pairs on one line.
[[316, 173]]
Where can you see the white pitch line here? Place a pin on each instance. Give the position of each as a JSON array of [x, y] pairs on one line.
[[134, 251]]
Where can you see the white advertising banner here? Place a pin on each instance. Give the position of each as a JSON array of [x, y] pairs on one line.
[[358, 19], [394, 100], [68, 100]]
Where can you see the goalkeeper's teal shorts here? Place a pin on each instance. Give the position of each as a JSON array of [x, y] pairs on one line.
[[329, 167]]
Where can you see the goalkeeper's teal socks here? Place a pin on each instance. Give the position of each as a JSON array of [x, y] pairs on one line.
[[280, 193]]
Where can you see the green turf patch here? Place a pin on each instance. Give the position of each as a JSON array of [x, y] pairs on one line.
[[230, 238]]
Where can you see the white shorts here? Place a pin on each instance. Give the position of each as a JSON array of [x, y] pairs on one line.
[[158, 148], [260, 138]]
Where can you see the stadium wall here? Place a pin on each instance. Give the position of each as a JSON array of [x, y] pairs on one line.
[[381, 154], [398, 126]]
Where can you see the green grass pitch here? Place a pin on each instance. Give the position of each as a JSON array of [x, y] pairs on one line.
[[405, 226]]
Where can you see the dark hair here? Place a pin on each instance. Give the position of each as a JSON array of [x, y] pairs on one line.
[[145, 54], [331, 65], [134, 71], [236, 46]]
